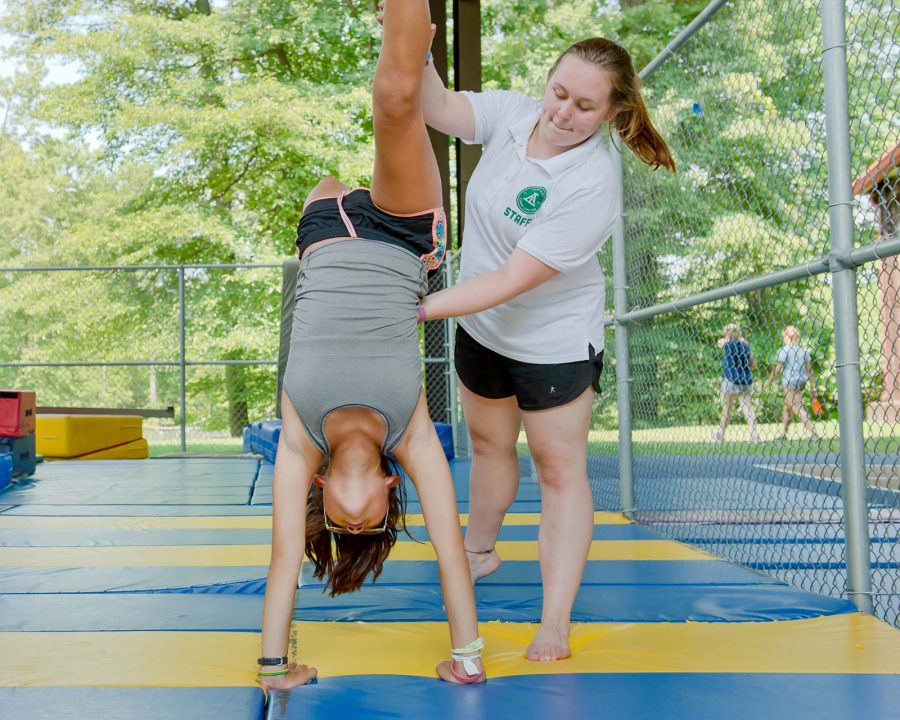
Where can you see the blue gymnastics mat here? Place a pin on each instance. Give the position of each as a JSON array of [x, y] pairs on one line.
[[711, 696], [133, 703], [133, 589]]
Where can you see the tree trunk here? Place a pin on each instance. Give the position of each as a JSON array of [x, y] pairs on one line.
[[235, 385], [154, 390]]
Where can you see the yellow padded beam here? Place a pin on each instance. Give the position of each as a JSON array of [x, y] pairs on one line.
[[68, 436]]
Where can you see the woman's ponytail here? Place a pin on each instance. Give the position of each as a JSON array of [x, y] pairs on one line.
[[636, 130]]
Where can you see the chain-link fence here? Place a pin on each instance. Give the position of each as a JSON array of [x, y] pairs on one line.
[[199, 339], [436, 345], [763, 374], [751, 403]]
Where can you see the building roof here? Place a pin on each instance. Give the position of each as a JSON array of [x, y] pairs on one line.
[[883, 168]]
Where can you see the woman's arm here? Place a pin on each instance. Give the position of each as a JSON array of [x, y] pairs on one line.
[[447, 111], [421, 455], [520, 273], [295, 462]]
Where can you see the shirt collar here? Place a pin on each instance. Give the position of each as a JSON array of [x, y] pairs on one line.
[[521, 131]]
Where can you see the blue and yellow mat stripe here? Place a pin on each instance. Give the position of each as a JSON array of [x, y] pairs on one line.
[[151, 609]]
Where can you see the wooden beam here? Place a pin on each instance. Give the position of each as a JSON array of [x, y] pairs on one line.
[[169, 412], [437, 389], [439, 52], [466, 76]]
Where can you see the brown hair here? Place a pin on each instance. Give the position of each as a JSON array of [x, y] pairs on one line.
[[354, 557], [632, 121]]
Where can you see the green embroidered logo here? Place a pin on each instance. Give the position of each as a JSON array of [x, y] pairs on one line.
[[530, 199]]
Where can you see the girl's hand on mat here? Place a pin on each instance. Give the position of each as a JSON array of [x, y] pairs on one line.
[[445, 672], [297, 675]]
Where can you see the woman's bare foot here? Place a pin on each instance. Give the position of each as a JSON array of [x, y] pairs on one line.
[[482, 563], [550, 643]]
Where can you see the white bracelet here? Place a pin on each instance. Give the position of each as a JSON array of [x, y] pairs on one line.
[[466, 655]]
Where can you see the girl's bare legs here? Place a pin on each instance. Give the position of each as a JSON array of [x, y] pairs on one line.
[[557, 439], [494, 478], [727, 405], [786, 413], [746, 402], [327, 187], [793, 401], [406, 178]]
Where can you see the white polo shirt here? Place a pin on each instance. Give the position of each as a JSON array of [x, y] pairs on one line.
[[560, 211]]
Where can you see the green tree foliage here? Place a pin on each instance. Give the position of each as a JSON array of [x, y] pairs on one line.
[[523, 38], [742, 105], [201, 131], [238, 110], [191, 132]]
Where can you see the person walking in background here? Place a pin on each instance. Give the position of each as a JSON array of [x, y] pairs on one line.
[[737, 380], [794, 364]]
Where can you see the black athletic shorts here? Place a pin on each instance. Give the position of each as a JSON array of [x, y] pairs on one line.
[[423, 234], [536, 386]]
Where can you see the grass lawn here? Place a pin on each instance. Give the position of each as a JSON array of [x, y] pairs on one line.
[[199, 447], [685, 440], [698, 440]]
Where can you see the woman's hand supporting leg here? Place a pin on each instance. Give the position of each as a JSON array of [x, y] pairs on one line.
[[296, 461]]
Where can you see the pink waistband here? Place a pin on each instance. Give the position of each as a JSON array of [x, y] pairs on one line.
[[347, 223]]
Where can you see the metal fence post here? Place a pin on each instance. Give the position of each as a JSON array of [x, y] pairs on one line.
[[449, 349], [181, 357], [840, 200], [623, 364]]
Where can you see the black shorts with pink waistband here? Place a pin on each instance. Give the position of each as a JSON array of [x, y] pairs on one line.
[[423, 234]]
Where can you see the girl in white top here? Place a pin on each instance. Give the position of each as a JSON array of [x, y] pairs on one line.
[[540, 204], [794, 364]]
